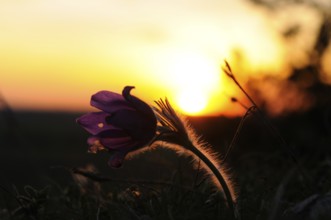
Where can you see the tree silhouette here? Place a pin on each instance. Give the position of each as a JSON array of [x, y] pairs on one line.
[[310, 77]]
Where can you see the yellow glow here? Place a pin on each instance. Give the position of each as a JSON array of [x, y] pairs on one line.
[[192, 69], [55, 54], [194, 78], [192, 102]]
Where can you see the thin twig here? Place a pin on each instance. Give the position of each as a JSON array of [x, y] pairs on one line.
[[240, 126], [265, 120], [273, 130]]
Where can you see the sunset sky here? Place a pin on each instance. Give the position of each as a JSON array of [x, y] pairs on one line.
[[55, 54]]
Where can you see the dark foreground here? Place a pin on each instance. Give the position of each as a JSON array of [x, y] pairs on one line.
[[46, 172]]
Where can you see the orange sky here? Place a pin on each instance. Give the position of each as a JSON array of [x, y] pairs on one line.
[[55, 54]]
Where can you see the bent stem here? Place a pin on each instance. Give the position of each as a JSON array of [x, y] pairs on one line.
[[218, 176], [174, 130]]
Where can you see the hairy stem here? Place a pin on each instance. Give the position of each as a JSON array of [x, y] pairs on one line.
[[218, 176]]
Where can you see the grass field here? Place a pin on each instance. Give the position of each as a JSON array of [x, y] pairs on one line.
[[43, 153]]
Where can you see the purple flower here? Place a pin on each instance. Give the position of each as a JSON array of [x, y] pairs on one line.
[[124, 124]]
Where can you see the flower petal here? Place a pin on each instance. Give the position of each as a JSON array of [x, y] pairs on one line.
[[138, 104], [109, 101], [113, 133], [120, 144], [95, 122], [137, 126], [93, 140], [125, 124], [116, 160], [124, 144]]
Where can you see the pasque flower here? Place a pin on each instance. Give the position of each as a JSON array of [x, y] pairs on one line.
[[124, 124]]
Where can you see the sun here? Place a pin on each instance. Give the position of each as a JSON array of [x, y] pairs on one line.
[[194, 79], [192, 102]]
